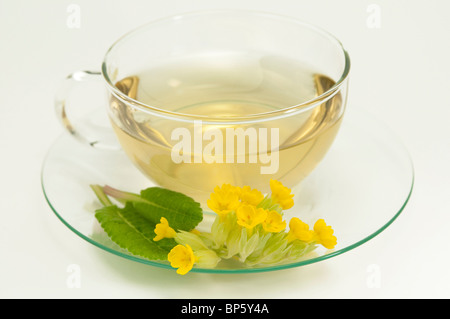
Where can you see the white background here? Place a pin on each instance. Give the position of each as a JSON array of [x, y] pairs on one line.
[[400, 72]]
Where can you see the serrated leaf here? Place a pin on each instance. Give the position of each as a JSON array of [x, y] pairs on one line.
[[181, 211], [131, 231]]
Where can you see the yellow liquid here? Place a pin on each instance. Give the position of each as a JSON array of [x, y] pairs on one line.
[[240, 89]]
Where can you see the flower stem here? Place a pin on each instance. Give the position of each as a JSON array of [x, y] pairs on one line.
[[98, 190], [122, 196]]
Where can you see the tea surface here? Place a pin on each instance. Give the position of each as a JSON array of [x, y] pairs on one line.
[[241, 87]]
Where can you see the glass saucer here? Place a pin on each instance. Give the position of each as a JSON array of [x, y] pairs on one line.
[[360, 188]]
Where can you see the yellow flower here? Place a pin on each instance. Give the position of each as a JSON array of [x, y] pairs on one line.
[[250, 196], [227, 188], [299, 230], [281, 194], [324, 234], [249, 216], [274, 222], [183, 258], [163, 230], [224, 199]]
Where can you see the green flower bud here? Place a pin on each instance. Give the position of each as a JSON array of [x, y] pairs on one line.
[[221, 229], [234, 241], [249, 246], [299, 249], [191, 239], [273, 252], [261, 245], [206, 258]]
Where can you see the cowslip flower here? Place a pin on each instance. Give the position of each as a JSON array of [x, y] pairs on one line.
[[250, 196], [274, 222], [183, 258], [163, 230], [249, 216], [224, 200], [324, 234], [299, 230], [281, 194]]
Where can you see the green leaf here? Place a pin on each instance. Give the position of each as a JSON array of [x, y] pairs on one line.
[[133, 227], [131, 231], [181, 211]]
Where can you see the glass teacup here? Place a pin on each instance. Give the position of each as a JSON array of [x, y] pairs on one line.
[[222, 97]]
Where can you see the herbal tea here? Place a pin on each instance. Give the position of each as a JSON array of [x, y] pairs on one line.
[[194, 156]]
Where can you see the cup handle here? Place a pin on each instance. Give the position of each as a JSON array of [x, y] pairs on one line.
[[84, 115]]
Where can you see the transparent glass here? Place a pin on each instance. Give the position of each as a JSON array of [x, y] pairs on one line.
[[202, 75], [360, 188], [208, 72]]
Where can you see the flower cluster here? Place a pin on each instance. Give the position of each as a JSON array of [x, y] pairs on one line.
[[249, 227]]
